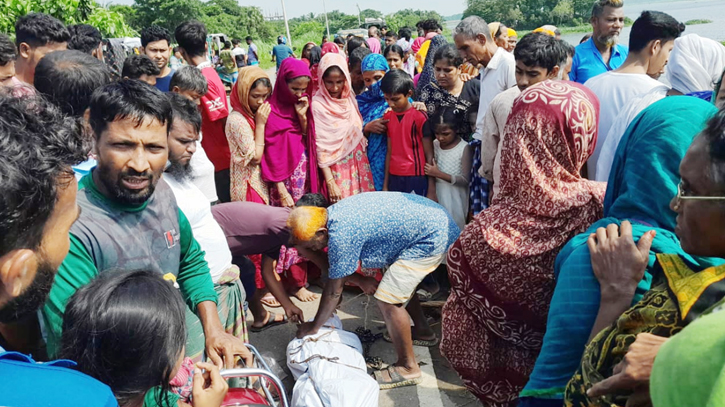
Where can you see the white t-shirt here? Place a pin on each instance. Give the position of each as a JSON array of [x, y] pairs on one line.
[[238, 51], [203, 173], [614, 91], [206, 230], [499, 75]]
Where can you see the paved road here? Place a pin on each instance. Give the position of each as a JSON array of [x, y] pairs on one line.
[[441, 387]]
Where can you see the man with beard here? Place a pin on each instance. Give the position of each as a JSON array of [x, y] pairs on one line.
[[601, 53], [650, 43], [131, 221], [38, 146]]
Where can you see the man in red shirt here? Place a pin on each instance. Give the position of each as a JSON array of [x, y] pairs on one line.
[[191, 36]]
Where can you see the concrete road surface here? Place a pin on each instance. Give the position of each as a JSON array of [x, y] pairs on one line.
[[441, 386]]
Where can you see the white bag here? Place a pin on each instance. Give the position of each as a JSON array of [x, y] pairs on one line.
[[330, 370]]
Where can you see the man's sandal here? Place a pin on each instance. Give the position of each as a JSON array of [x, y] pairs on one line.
[[416, 342], [396, 380]]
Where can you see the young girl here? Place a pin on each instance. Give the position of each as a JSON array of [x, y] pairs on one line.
[[340, 141], [127, 330], [452, 165], [245, 133], [395, 56], [372, 106]]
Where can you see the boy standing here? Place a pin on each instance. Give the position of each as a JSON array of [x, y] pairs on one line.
[[408, 150], [156, 44], [191, 36], [252, 57]]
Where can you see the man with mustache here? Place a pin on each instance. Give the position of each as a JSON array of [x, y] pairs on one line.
[[130, 219], [601, 53], [38, 146]]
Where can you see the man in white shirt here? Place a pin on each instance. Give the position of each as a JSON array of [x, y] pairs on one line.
[[650, 42], [239, 54], [539, 57]]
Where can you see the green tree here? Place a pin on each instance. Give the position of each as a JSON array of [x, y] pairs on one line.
[[409, 18], [563, 12], [308, 27], [370, 13], [167, 13]]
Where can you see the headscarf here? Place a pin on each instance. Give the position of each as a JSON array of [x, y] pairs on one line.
[[427, 75], [372, 106], [283, 138], [239, 98], [374, 45], [695, 64], [339, 123], [330, 47], [512, 33], [545, 31], [374, 62], [493, 28], [501, 268], [643, 180]]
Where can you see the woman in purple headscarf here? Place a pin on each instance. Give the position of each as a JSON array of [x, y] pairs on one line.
[[289, 163]]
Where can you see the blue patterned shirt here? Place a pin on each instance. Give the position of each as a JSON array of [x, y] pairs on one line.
[[378, 228]]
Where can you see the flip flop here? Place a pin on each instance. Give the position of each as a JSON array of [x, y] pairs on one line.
[[416, 342], [268, 301], [271, 321], [396, 379]]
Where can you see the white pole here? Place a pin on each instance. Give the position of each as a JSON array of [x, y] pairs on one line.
[[359, 23], [286, 24], [327, 23]]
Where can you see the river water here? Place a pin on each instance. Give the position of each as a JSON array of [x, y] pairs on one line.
[[713, 10]]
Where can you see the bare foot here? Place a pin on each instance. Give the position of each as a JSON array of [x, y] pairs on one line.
[[270, 301], [305, 295]]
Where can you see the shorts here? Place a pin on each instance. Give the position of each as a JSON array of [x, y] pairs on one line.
[[409, 184], [401, 279]]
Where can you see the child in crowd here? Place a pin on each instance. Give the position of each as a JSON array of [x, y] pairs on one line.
[[395, 56], [452, 165], [128, 330], [140, 67], [408, 151]]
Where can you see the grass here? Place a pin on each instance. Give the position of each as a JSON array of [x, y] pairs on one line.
[[698, 21], [264, 49]]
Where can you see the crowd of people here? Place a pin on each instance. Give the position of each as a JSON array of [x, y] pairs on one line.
[[572, 197]]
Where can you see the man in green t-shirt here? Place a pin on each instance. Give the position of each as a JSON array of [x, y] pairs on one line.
[[130, 220], [228, 61]]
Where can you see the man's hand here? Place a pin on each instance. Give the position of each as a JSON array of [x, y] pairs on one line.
[[633, 372], [220, 344], [294, 314], [378, 126], [208, 388], [617, 262], [307, 328], [431, 169], [465, 77]]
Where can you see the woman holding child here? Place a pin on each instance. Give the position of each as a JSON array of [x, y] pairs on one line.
[[339, 137]]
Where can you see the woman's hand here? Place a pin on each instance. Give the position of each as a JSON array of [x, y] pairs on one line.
[[633, 372], [378, 126], [208, 388], [333, 190], [262, 114], [301, 106], [287, 201], [618, 262], [420, 106]]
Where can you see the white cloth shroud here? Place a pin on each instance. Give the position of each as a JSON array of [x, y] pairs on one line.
[[330, 369]]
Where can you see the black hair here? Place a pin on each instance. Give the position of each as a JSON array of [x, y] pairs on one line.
[[69, 78], [191, 36], [249, 38], [280, 40], [127, 329], [567, 49], [332, 69], [394, 48], [128, 99], [185, 110], [236, 41], [339, 40], [405, 32], [449, 116], [538, 50], [315, 55], [430, 25], [357, 56], [397, 81], [175, 50], [450, 53], [38, 146], [137, 65], [261, 81], [189, 78], [354, 43], [598, 7], [652, 26], [311, 199], [715, 135], [154, 33], [84, 38], [585, 38], [391, 34], [38, 29], [227, 44], [8, 52]]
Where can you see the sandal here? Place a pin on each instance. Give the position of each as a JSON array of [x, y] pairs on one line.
[[416, 342], [396, 379], [270, 301], [271, 321]]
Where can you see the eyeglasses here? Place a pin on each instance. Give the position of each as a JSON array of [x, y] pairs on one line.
[[681, 197]]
